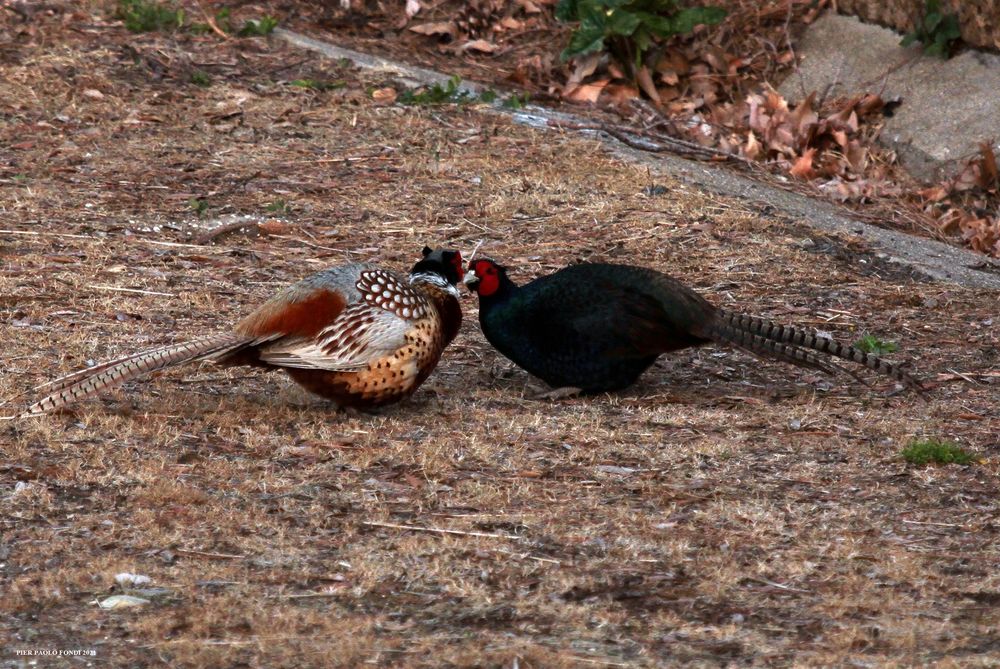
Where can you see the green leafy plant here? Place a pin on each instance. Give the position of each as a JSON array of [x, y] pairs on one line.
[[512, 101], [199, 206], [627, 28], [936, 31], [199, 78], [872, 344], [143, 16], [317, 85], [450, 93], [265, 25], [517, 101], [936, 451], [279, 206]]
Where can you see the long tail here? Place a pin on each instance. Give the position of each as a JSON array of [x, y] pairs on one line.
[[796, 345], [88, 382]]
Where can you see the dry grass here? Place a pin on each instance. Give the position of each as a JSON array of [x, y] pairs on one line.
[[722, 511]]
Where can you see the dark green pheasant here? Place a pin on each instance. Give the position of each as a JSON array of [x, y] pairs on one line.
[[597, 327]]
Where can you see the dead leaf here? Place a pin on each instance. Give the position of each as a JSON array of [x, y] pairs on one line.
[[717, 58], [752, 148], [934, 193], [804, 115], [735, 63], [669, 76], [645, 80], [94, 94], [869, 104], [988, 176], [587, 92], [384, 96], [412, 7], [510, 23], [950, 222], [968, 178], [676, 61], [585, 66], [847, 116], [774, 101], [435, 28], [803, 166], [668, 93], [478, 45], [857, 156], [619, 93]]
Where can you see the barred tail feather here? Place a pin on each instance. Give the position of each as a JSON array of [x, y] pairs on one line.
[[58, 384], [793, 355], [764, 336], [88, 382]]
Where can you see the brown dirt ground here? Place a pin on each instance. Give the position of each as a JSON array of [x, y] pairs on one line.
[[721, 512]]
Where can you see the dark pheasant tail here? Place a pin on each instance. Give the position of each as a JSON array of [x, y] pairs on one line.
[[792, 344], [88, 382]]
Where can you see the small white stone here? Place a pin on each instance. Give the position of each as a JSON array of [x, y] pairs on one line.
[[126, 579]]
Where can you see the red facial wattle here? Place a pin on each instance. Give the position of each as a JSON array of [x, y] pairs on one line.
[[489, 278]]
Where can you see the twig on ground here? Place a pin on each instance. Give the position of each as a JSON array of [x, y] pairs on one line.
[[210, 556], [963, 376], [440, 530], [216, 232], [117, 289], [210, 20], [780, 586], [653, 143], [32, 233]]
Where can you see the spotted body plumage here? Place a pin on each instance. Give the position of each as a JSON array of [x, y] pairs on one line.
[[385, 290]]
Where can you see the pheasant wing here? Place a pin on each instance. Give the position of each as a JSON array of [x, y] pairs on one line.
[[357, 336], [374, 326], [624, 322]]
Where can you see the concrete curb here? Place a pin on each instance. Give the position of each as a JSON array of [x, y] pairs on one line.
[[937, 260]]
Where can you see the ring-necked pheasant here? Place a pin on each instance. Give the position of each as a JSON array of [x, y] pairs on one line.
[[597, 327], [357, 334]]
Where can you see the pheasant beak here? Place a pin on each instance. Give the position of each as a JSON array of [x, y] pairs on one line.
[[471, 281]]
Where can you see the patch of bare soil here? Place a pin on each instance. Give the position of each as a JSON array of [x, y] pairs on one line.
[[723, 511]]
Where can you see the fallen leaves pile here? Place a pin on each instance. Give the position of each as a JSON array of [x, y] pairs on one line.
[[961, 204]]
